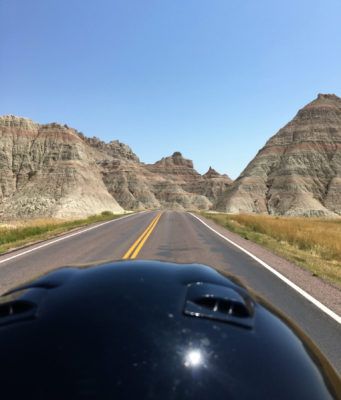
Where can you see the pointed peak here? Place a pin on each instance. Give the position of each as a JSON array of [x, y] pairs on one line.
[[324, 101], [176, 159], [328, 96], [211, 173]]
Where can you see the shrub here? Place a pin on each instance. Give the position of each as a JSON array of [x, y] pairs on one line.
[[107, 214]]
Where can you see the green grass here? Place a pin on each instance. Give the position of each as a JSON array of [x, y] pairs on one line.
[[312, 243], [34, 230]]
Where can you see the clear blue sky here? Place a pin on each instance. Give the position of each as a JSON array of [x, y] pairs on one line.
[[213, 79]]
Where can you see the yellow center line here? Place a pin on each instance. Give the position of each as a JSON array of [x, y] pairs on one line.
[[141, 238], [138, 248]]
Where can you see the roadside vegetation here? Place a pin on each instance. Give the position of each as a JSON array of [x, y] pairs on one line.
[[312, 243], [18, 233]]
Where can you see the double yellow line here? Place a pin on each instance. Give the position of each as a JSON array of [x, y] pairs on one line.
[[137, 246]]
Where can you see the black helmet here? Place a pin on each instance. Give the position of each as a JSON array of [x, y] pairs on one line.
[[152, 330]]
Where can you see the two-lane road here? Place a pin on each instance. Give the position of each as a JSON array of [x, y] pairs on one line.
[[177, 237]]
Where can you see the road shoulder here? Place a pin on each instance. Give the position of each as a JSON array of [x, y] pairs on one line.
[[323, 291]]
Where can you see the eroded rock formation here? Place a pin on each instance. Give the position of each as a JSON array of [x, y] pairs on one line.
[[171, 182], [46, 171], [298, 171], [55, 171]]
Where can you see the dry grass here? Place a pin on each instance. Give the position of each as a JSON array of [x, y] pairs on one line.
[[31, 222], [312, 243], [18, 233]]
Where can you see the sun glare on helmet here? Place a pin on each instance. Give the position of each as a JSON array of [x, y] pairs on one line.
[[193, 358]]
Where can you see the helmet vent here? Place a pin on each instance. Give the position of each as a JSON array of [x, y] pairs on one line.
[[229, 307], [219, 303], [15, 307], [20, 306]]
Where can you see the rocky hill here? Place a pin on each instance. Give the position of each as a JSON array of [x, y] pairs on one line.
[[46, 171], [180, 183], [298, 171], [171, 182], [54, 171]]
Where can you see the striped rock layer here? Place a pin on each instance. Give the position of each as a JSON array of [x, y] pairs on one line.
[[298, 171], [171, 183], [46, 171], [54, 171]]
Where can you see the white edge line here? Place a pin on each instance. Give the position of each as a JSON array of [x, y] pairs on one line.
[[66, 237], [321, 306]]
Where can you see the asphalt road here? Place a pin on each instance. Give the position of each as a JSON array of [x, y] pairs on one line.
[[176, 237]]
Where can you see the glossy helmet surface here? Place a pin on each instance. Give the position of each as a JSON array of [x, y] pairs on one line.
[[152, 330]]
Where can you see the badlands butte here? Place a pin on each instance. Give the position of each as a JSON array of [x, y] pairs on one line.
[[52, 170]]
